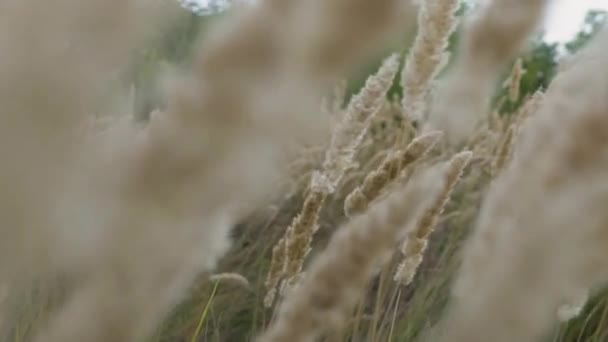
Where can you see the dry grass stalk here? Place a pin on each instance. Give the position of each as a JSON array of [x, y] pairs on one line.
[[427, 56], [44, 107], [541, 234], [489, 41], [275, 271], [504, 151], [176, 186], [531, 106], [233, 278], [346, 138], [376, 182], [330, 289], [414, 246], [514, 80], [349, 133], [290, 251], [528, 109], [160, 184]]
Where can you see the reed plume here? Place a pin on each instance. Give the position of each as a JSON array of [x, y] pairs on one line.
[[515, 79], [541, 234], [291, 250], [376, 182], [493, 37], [427, 56], [335, 281], [504, 150], [192, 171], [416, 241]]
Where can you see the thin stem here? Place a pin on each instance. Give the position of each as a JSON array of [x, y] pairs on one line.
[[204, 314]]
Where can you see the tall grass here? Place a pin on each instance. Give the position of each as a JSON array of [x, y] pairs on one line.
[[170, 179]]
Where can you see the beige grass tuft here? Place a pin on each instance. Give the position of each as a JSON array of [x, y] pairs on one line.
[[415, 244], [330, 289]]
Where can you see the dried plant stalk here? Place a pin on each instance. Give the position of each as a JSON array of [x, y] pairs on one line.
[[515, 80], [378, 180], [348, 134], [414, 246], [188, 175], [427, 56], [541, 234], [275, 271], [529, 108], [346, 138], [503, 153], [495, 36], [233, 278], [51, 76], [296, 241], [335, 281], [512, 83]]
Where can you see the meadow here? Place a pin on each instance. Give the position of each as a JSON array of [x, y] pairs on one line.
[[395, 171]]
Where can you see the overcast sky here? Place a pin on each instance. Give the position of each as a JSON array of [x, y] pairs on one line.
[[564, 19], [566, 16]]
